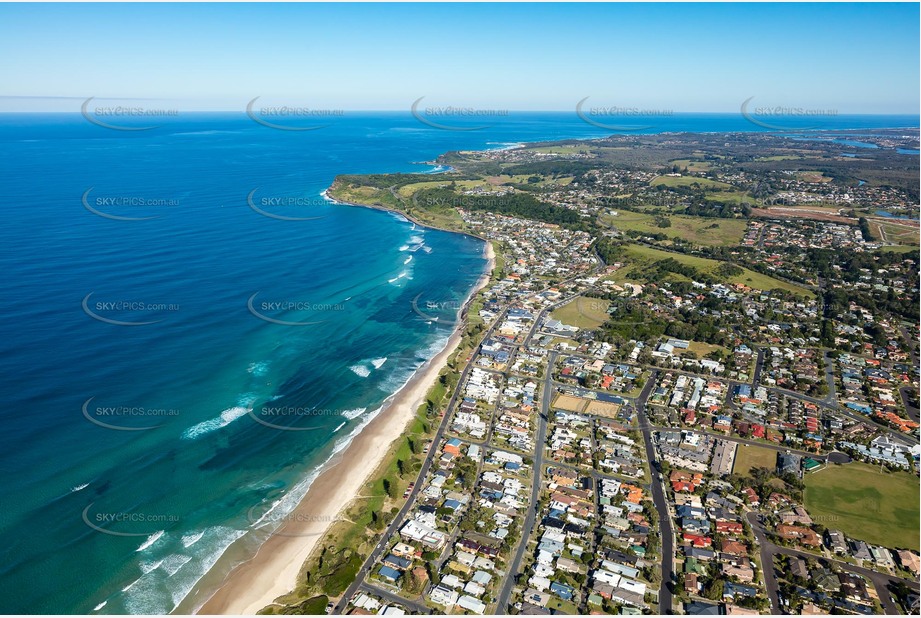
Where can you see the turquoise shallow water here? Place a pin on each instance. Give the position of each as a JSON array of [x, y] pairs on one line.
[[130, 453]]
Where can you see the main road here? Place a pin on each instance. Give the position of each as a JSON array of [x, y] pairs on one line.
[[913, 412], [658, 497], [546, 395]]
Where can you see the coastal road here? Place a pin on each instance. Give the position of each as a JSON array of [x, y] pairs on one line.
[[415, 608], [382, 545], [666, 535], [881, 581], [528, 525]]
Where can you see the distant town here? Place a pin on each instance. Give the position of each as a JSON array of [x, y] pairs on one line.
[[690, 387]]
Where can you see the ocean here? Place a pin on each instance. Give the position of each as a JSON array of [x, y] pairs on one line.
[[190, 330]]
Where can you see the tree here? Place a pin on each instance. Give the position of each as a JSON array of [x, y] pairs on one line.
[[713, 590]]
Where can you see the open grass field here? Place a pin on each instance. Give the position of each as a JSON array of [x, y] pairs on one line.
[[691, 166], [902, 248], [704, 231], [408, 190], [831, 209], [818, 213], [522, 179], [897, 233], [731, 197], [687, 181], [864, 503], [562, 607], [563, 149], [702, 349], [779, 158], [748, 457], [814, 177], [362, 195], [640, 256], [583, 312], [569, 344]]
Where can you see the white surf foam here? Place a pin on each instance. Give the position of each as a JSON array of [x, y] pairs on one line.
[[504, 145], [286, 503], [379, 362], [360, 370], [146, 566], [100, 606], [226, 536], [79, 487], [226, 417], [258, 369], [172, 563], [159, 591], [350, 414], [191, 539], [341, 425], [150, 540]]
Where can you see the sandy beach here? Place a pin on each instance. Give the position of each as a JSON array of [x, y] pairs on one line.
[[273, 571]]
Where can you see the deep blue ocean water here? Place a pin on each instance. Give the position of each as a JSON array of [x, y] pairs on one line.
[[150, 430]]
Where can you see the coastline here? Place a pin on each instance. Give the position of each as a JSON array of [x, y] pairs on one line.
[[408, 217], [273, 571]]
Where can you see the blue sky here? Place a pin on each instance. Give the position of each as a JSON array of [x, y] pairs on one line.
[[854, 58]]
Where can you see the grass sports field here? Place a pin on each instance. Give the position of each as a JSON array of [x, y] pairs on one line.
[[866, 504], [583, 312]]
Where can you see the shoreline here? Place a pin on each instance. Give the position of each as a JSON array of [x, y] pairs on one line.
[[408, 217], [274, 569]]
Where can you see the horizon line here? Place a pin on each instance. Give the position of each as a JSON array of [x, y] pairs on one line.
[[503, 111]]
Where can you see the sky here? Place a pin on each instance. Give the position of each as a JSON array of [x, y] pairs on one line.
[[851, 58]]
